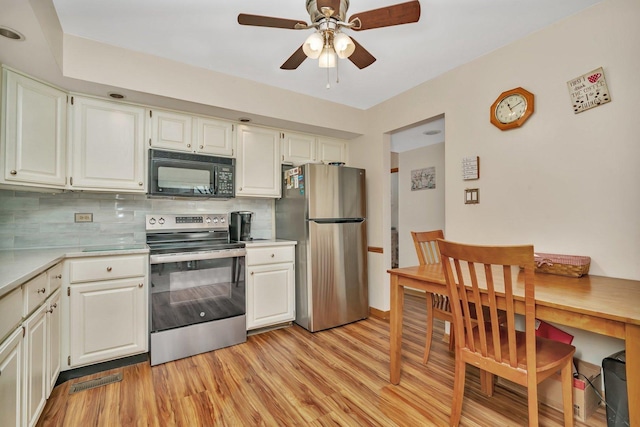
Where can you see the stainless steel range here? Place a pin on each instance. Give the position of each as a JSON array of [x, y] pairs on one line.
[[197, 302]]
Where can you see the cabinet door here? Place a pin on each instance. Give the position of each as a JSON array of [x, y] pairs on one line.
[[298, 148], [108, 146], [171, 130], [53, 340], [213, 137], [331, 150], [258, 165], [34, 132], [35, 373], [108, 320], [270, 295], [11, 363]]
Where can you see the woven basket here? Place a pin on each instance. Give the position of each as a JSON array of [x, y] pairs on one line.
[[563, 265]]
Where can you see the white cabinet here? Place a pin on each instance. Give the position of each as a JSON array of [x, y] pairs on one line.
[[54, 333], [35, 348], [270, 285], [108, 152], [33, 132], [183, 132], [258, 162], [107, 308], [298, 148], [331, 150], [11, 372]]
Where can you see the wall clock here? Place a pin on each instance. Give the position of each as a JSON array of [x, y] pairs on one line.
[[512, 108]]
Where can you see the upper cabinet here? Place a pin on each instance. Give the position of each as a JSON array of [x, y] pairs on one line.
[[33, 135], [183, 132], [258, 162], [107, 146], [331, 150], [300, 148]]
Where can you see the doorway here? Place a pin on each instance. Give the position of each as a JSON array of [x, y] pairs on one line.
[[416, 204]]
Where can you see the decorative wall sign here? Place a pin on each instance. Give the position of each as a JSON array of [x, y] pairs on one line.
[[588, 91], [422, 179], [470, 168]]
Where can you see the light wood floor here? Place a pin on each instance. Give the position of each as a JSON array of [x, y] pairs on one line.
[[290, 377]]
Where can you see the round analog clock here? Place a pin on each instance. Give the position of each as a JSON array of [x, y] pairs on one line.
[[512, 108]]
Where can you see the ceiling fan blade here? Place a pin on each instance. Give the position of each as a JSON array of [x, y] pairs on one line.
[[403, 13], [268, 21], [361, 57], [294, 60]]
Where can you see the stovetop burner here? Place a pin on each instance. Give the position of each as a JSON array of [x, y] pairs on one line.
[[171, 233]]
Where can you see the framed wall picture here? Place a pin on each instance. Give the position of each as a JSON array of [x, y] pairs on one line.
[[423, 179], [588, 91]]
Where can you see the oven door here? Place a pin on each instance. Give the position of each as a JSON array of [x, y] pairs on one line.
[[197, 287]]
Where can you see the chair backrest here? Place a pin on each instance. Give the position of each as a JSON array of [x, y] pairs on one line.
[[478, 275], [426, 246]]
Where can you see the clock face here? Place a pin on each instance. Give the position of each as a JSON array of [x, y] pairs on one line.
[[511, 108]]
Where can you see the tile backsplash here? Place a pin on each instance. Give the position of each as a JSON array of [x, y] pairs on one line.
[[43, 220]]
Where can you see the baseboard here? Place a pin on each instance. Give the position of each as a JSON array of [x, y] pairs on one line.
[[379, 314]]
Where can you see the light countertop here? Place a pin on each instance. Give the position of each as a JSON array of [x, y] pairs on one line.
[[19, 265], [256, 243]]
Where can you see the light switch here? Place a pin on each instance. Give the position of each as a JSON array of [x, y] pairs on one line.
[[471, 196]]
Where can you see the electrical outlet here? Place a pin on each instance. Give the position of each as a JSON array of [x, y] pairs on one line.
[[83, 217]]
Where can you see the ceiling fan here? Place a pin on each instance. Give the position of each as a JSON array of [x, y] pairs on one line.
[[328, 19]]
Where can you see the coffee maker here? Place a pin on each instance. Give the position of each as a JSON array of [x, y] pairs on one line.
[[240, 227]]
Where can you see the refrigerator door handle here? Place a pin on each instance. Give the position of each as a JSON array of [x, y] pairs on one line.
[[337, 220]]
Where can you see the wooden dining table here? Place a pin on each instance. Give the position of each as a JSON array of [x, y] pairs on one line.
[[599, 304]]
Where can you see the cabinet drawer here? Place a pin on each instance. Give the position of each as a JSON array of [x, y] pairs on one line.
[[34, 292], [270, 255], [10, 311], [55, 277], [106, 268]]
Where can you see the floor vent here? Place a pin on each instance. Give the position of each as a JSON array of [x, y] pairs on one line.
[[98, 382]]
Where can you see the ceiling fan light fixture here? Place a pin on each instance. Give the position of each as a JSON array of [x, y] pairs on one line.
[[327, 58], [312, 47], [343, 45]]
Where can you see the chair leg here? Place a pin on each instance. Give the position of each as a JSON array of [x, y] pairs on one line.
[[567, 394], [487, 384], [532, 400], [427, 344], [458, 391]]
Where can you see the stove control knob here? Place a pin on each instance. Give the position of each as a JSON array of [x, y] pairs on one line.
[[152, 221], [161, 221], [223, 220], [215, 220], [207, 220]]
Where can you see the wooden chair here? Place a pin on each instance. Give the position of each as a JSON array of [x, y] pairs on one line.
[[492, 272], [437, 305]]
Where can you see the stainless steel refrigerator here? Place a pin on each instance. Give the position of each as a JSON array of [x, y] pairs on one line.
[[323, 208]]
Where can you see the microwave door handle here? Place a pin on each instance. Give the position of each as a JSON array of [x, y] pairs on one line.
[[215, 180]]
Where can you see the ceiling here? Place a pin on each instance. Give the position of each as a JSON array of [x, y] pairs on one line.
[[205, 33]]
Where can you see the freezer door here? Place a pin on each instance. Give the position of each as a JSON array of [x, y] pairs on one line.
[[335, 191], [337, 271]]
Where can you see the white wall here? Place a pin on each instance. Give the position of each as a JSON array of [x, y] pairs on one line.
[[566, 183], [419, 210]]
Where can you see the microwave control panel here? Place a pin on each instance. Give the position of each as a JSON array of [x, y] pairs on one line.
[[225, 181]]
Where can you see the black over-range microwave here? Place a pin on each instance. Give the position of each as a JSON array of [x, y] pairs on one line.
[[190, 175]]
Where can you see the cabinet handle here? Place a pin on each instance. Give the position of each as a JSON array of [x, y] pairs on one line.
[[109, 269], [140, 184], [13, 173], [140, 285], [59, 276], [252, 273], [55, 305], [273, 255], [188, 145], [42, 291], [201, 147]]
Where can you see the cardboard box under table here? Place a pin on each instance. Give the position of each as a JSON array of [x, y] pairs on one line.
[[585, 399]]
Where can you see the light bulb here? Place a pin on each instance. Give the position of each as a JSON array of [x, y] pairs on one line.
[[343, 45], [327, 58], [312, 47]]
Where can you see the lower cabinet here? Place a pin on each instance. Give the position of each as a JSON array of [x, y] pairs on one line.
[[35, 365], [108, 310], [270, 285], [11, 372]]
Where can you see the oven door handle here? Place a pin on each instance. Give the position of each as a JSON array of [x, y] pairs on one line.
[[195, 256]]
